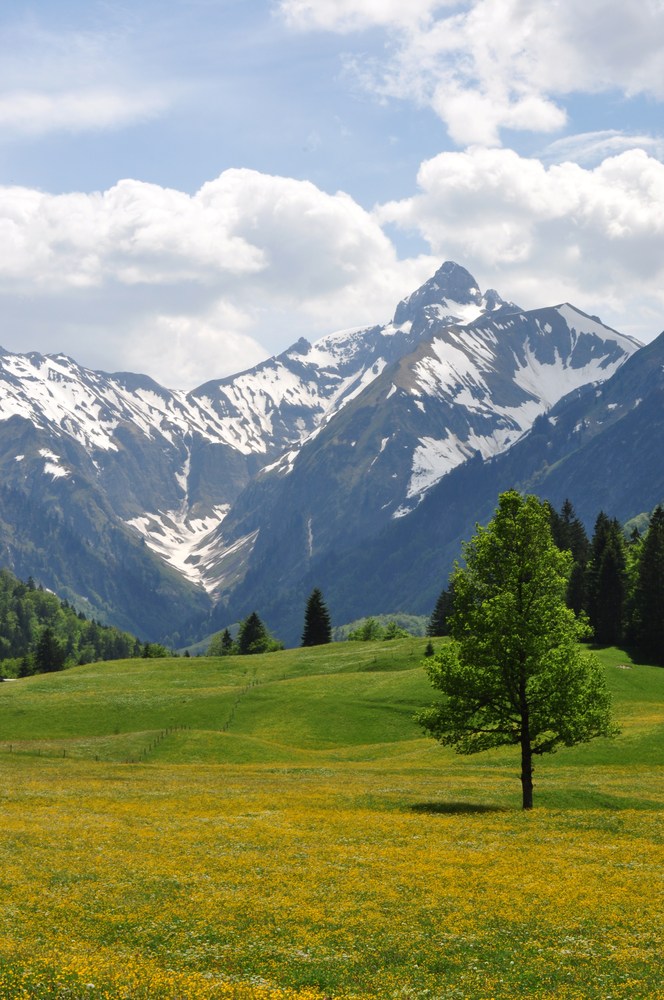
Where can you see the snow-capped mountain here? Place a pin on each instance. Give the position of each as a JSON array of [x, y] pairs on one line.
[[464, 392], [325, 442], [600, 446], [172, 462]]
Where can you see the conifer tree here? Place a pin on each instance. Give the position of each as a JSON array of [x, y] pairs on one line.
[[607, 581], [49, 655], [221, 644], [253, 637], [438, 622], [650, 590], [26, 667], [569, 534], [227, 644], [317, 627]]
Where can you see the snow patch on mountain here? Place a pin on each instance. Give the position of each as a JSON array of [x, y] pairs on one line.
[[223, 565], [581, 322], [462, 367], [181, 540]]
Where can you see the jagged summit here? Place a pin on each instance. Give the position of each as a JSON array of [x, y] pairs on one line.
[[451, 285], [451, 297]]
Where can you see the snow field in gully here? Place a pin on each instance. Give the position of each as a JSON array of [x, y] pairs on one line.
[[347, 872]]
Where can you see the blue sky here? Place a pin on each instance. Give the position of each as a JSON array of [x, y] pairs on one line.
[[187, 187]]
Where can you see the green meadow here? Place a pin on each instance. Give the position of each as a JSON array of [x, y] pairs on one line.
[[278, 827]]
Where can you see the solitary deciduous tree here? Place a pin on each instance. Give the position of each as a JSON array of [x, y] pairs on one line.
[[317, 627], [514, 673]]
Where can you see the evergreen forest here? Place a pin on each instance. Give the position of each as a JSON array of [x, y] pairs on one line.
[[617, 581], [40, 633]]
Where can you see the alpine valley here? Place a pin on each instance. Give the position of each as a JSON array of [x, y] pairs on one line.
[[355, 464]]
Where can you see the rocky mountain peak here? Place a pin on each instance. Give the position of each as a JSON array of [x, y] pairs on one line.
[[451, 286]]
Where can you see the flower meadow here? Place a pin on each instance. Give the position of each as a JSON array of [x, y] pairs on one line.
[[413, 876], [185, 830]]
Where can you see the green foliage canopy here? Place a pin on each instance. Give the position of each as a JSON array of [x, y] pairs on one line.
[[222, 644], [514, 673], [39, 632]]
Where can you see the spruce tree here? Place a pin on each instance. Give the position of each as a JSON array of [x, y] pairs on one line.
[[650, 590], [253, 636], [597, 546], [25, 667], [49, 655], [221, 644], [317, 627], [438, 623], [569, 534], [607, 579], [227, 644]]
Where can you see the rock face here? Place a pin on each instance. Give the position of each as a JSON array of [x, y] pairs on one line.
[[149, 506]]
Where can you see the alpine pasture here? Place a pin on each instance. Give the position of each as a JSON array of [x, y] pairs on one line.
[[278, 828]]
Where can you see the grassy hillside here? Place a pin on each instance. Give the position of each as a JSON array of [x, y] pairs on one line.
[[285, 832], [352, 701], [343, 697]]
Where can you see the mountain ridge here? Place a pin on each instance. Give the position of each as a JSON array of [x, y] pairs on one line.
[[272, 469]]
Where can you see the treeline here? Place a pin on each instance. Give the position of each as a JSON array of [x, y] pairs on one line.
[[617, 581], [40, 633], [253, 636]]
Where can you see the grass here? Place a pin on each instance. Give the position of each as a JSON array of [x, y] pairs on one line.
[[285, 833]]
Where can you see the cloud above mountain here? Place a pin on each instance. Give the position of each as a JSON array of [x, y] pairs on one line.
[[250, 262], [270, 157], [493, 65]]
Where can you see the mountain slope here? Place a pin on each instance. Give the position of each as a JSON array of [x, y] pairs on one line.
[[152, 504], [462, 392], [601, 446]]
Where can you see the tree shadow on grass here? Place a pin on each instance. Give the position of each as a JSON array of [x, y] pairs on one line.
[[597, 801], [455, 808]]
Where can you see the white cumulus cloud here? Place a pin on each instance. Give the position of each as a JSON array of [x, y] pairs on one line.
[[189, 287], [545, 234], [490, 65]]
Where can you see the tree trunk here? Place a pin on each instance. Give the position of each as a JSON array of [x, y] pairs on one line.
[[526, 749], [527, 774]]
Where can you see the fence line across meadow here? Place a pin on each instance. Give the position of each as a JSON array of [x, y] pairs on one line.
[[142, 755]]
